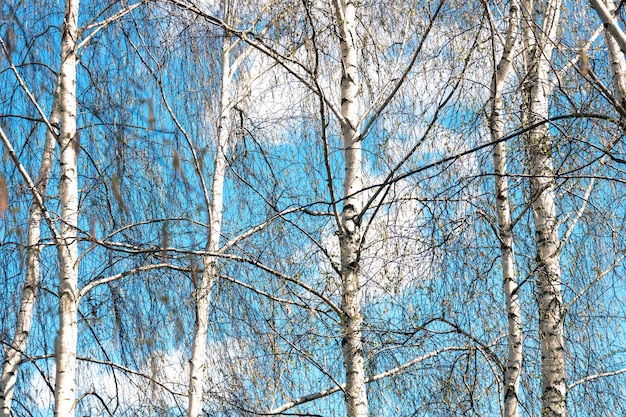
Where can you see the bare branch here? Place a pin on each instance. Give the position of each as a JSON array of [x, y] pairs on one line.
[[375, 114], [106, 22], [394, 371], [598, 277], [30, 95], [124, 274], [257, 43], [31, 185], [594, 377]]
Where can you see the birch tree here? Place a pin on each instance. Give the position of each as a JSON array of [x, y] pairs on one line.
[[67, 338], [63, 115], [606, 11], [203, 289], [350, 234], [13, 355], [614, 40], [66, 240], [505, 226], [540, 28], [616, 56], [230, 271], [68, 291], [231, 57]]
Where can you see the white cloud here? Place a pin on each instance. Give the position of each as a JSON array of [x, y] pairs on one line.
[[167, 371], [275, 101]]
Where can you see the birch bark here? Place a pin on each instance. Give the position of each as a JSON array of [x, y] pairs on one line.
[[203, 290], [65, 346], [543, 21], [350, 233], [11, 365], [610, 22], [618, 65], [503, 207]]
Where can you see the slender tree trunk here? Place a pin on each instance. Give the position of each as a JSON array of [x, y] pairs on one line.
[[503, 207], [350, 235], [618, 65], [542, 188], [203, 290], [65, 347], [610, 22], [11, 364]]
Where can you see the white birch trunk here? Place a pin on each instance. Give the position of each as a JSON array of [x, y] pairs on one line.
[[610, 23], [542, 187], [11, 364], [65, 346], [203, 290], [510, 286], [350, 235], [618, 65]]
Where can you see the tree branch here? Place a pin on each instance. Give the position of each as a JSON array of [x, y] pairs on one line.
[[594, 377], [394, 371], [106, 22], [124, 274]]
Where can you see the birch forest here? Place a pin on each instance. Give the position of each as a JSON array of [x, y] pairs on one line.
[[312, 208]]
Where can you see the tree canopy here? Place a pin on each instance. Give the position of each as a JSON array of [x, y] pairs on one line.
[[312, 208]]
